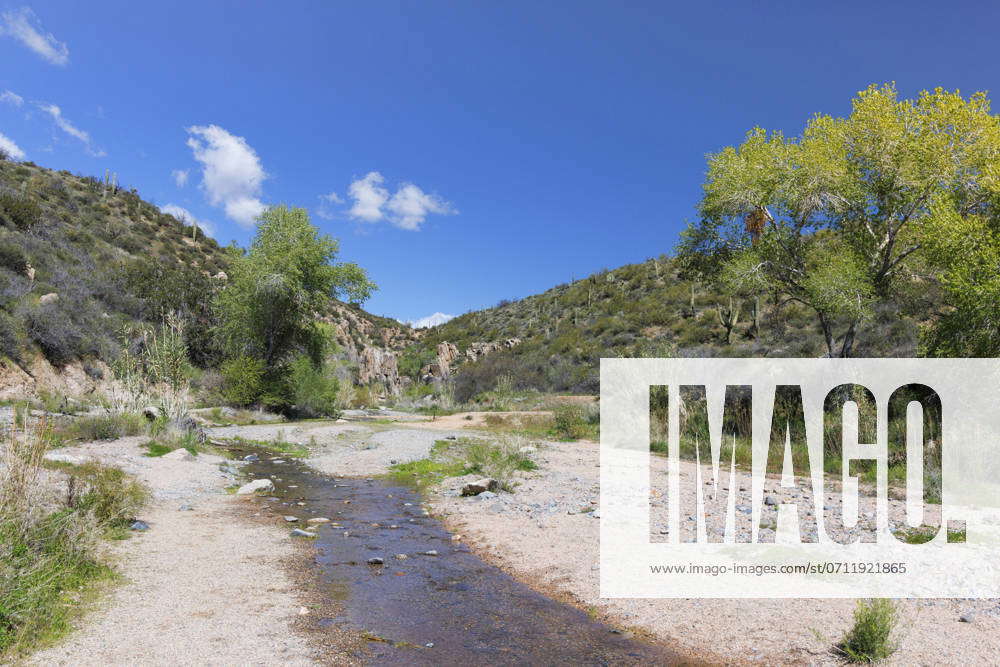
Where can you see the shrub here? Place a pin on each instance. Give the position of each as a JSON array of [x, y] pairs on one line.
[[572, 421], [59, 337], [313, 389], [870, 638], [498, 459], [110, 494], [11, 339], [13, 257], [22, 212], [243, 380], [106, 427]]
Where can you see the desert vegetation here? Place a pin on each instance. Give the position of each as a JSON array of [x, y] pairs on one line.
[[51, 553]]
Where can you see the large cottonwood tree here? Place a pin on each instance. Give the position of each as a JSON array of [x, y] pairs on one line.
[[834, 218]]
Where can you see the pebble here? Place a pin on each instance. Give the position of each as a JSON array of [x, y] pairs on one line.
[[139, 525], [298, 532], [184, 508], [967, 617], [770, 500], [431, 552], [291, 519], [376, 561], [318, 519], [251, 458], [401, 556]]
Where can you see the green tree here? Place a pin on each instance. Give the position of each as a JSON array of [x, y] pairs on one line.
[[867, 184], [965, 250], [268, 309]]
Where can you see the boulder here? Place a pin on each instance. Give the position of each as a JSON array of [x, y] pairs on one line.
[[479, 486], [179, 454], [255, 486], [51, 297]]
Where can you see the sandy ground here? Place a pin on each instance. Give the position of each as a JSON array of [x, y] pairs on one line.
[[540, 535], [203, 586], [213, 586]]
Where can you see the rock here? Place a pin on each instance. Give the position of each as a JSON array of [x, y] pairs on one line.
[[152, 413], [376, 561], [138, 525], [486, 495], [401, 556], [596, 514], [480, 486], [255, 486], [185, 508], [179, 454], [62, 458], [770, 500], [746, 509], [318, 519], [527, 450], [430, 552], [251, 458], [967, 617], [291, 519], [51, 297], [298, 532]]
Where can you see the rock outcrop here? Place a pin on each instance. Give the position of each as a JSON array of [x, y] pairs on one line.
[[370, 343], [448, 357]]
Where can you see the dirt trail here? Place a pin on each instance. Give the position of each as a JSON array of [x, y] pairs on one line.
[[203, 586]]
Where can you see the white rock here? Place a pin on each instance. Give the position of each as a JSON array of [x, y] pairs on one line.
[[62, 458], [255, 486], [318, 519], [179, 454]]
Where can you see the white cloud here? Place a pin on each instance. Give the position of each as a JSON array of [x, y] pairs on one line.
[[23, 25], [180, 177], [70, 129], [324, 210], [8, 146], [369, 196], [187, 218], [232, 173], [431, 320], [407, 208], [410, 206], [11, 98]]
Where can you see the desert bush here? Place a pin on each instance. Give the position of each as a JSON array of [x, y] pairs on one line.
[[13, 257], [572, 421], [11, 338], [313, 388], [21, 212], [110, 494], [870, 638], [106, 427], [54, 331], [499, 459], [243, 380]]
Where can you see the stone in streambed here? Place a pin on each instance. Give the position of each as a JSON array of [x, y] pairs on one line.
[[298, 532], [255, 486], [480, 486]]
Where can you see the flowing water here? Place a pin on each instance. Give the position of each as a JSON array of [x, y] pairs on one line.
[[445, 609]]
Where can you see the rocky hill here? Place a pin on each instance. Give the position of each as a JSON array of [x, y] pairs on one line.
[[81, 257], [553, 341]]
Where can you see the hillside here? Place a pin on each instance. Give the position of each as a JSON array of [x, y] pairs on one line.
[[553, 341], [80, 260]]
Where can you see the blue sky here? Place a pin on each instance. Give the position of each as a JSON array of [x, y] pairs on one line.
[[493, 149]]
